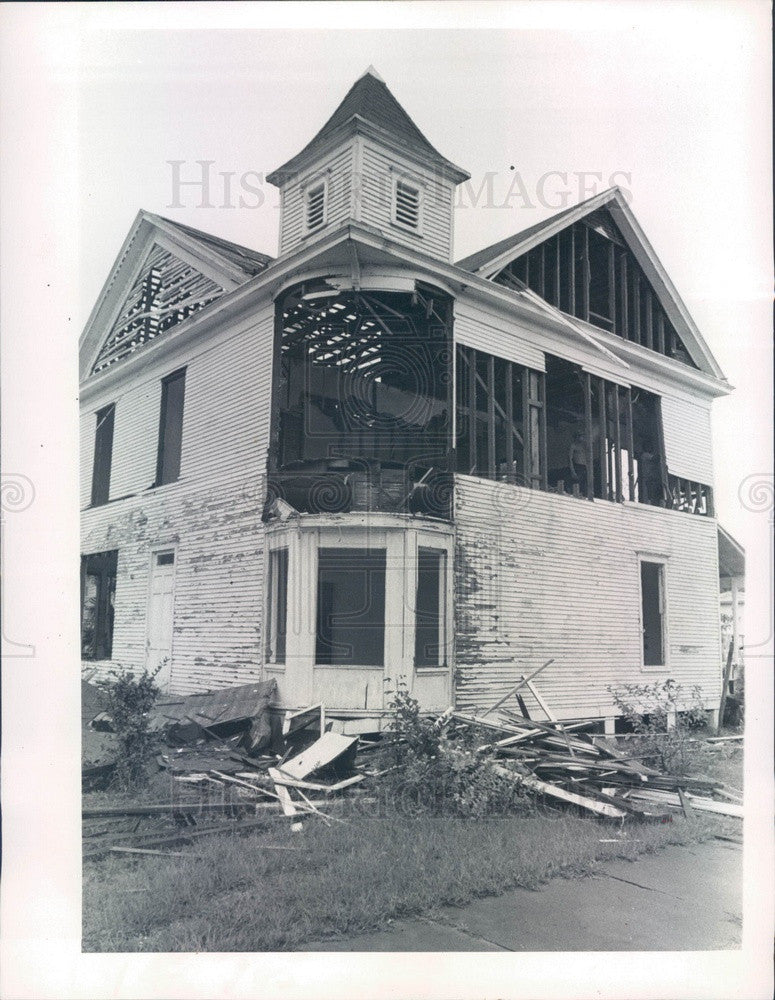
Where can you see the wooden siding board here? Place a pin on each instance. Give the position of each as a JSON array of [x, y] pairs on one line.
[[87, 437], [688, 444], [338, 170], [378, 169], [212, 515], [540, 576], [474, 331]]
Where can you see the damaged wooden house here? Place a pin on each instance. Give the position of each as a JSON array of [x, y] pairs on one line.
[[364, 461]]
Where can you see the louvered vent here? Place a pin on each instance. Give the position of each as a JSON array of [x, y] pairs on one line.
[[316, 206], [165, 292], [407, 205]]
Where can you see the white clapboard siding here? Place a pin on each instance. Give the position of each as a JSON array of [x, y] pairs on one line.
[[211, 516], [688, 439], [502, 340], [338, 171], [539, 575], [226, 411], [376, 202], [135, 439]]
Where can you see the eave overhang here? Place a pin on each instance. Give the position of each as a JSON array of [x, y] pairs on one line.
[[297, 165], [334, 252]]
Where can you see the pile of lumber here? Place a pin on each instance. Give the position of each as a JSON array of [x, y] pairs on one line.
[[559, 762]]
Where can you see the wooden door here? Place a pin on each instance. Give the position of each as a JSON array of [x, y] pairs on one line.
[[160, 615]]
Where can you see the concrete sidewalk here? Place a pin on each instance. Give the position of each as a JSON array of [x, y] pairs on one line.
[[680, 899]]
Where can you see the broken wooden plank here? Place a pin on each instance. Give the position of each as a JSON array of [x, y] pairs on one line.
[[697, 802], [286, 802], [547, 711], [170, 808], [330, 748], [521, 683], [313, 786], [553, 791], [155, 853]]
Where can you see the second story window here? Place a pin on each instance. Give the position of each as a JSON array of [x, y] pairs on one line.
[[407, 205], [315, 206], [170, 428], [103, 456]]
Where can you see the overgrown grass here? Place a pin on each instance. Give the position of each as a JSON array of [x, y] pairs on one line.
[[231, 894]]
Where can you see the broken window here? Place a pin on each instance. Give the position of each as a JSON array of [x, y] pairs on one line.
[[103, 456], [587, 271], [362, 400], [652, 592], [170, 428], [351, 607], [500, 419], [277, 606], [315, 206], [430, 605], [98, 591], [406, 205]]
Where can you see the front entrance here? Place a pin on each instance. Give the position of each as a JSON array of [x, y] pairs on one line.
[[160, 612], [357, 604]]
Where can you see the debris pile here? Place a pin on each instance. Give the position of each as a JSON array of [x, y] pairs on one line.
[[233, 761], [561, 763], [229, 756]]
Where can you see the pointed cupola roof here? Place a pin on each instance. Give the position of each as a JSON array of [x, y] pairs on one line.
[[370, 108]]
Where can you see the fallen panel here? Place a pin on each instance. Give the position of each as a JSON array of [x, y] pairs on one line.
[[330, 748], [215, 711]]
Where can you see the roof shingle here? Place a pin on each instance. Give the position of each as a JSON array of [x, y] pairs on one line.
[[370, 100]]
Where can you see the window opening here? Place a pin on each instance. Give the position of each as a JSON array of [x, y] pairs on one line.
[[170, 428], [103, 456], [351, 607], [98, 590], [278, 605], [430, 605], [652, 586]]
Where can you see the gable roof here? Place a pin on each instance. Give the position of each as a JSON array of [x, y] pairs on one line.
[[369, 102], [164, 272], [479, 260], [250, 261], [490, 261], [731, 555]]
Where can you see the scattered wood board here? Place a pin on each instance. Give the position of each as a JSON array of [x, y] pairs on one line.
[[329, 748]]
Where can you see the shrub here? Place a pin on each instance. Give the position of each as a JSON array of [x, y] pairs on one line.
[[431, 771], [646, 707], [130, 698]]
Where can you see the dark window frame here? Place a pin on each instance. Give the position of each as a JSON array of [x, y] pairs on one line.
[[171, 416], [103, 455]]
